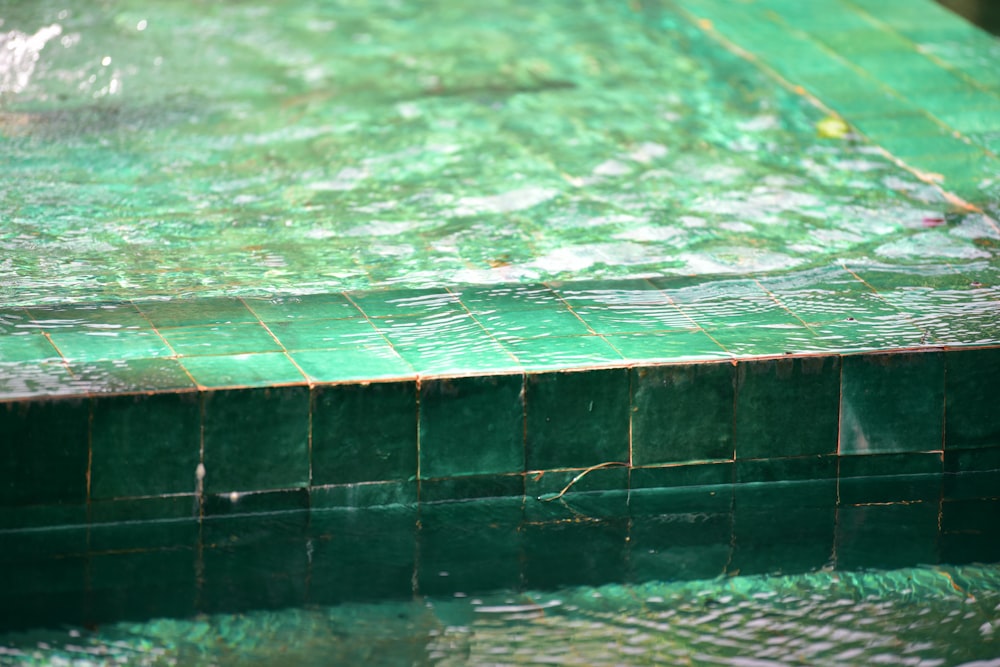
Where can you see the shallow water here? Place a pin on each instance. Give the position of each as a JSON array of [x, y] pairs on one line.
[[281, 147]]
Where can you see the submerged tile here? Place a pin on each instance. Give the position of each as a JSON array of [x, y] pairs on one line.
[[972, 384], [693, 474], [892, 403], [220, 339], [26, 346], [507, 297], [547, 484], [880, 465], [243, 370], [796, 468], [130, 375], [471, 425], [691, 345], [194, 312], [469, 487], [352, 364], [326, 334], [406, 302], [519, 324], [302, 307], [103, 345], [537, 354], [363, 494]]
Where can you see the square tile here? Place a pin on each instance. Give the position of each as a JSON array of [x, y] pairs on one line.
[[471, 487], [150, 511], [892, 403], [638, 318], [577, 419], [220, 339], [696, 474], [362, 495], [535, 323], [754, 341], [887, 536], [971, 460], [798, 468], [255, 502], [145, 444], [88, 317], [787, 407], [256, 439], [77, 345], [195, 312], [243, 370], [471, 425], [550, 353], [547, 485], [501, 298], [353, 364], [607, 293], [35, 378], [364, 432], [883, 465], [26, 346], [972, 383], [689, 345], [406, 302], [129, 375], [302, 307], [682, 413], [45, 452], [326, 334]]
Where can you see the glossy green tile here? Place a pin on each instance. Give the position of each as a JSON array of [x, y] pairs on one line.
[[618, 292], [694, 499], [879, 465], [893, 489], [536, 323], [130, 375], [552, 553], [469, 487], [96, 345], [195, 312], [302, 307], [577, 419], [871, 334], [364, 432], [445, 343], [243, 370], [682, 412], [726, 303], [347, 364], [971, 460], [364, 494], [892, 403], [667, 346], [144, 444], [256, 439], [754, 341], [968, 531], [406, 302], [42, 516], [45, 452], [471, 425], [797, 468], [326, 334], [26, 346], [153, 509], [549, 353], [696, 474], [547, 484], [500, 298], [627, 318], [887, 536], [972, 484], [972, 380], [680, 546], [787, 407], [220, 339], [88, 317], [255, 502]]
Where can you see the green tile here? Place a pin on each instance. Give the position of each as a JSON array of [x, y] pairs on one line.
[[471, 425], [130, 375], [42, 516], [220, 339], [894, 489], [875, 465], [748, 304], [153, 509], [326, 334], [667, 346], [548, 484], [364, 432], [44, 445], [26, 346], [500, 298], [469, 487], [144, 444], [347, 364], [257, 502], [972, 381], [696, 474], [362, 495], [195, 312], [682, 413], [550, 353], [577, 419], [535, 323], [787, 407], [406, 303], [759, 341], [796, 468], [972, 484], [892, 403], [887, 536], [876, 334], [88, 317], [243, 370], [621, 319], [35, 378], [971, 460], [256, 439], [445, 343], [303, 307], [621, 292], [96, 345]]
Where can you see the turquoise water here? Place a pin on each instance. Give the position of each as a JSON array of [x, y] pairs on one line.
[[257, 148]]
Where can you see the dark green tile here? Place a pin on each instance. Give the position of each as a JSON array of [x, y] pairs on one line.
[[347, 364], [682, 412], [577, 419], [257, 502], [145, 444], [787, 407], [697, 474], [243, 370], [551, 353], [42, 516], [102, 345], [971, 484], [256, 439], [326, 334], [194, 312], [680, 546], [364, 432], [687, 499], [146, 510], [220, 339], [471, 425], [892, 489], [887, 536], [365, 494], [546, 485], [667, 346], [404, 302], [535, 323], [302, 307], [797, 468], [470, 487], [972, 383], [130, 375], [44, 455], [574, 553], [892, 403], [26, 346], [875, 465], [971, 460], [499, 298], [968, 531]]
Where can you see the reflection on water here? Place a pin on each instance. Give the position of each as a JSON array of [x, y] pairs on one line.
[[891, 571], [252, 148]]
